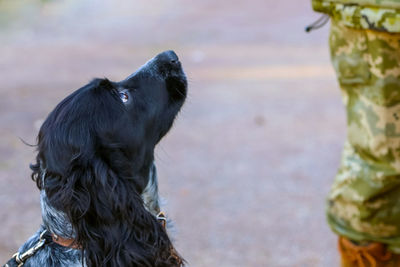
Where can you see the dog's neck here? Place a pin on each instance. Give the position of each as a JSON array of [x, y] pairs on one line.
[[57, 222], [150, 195]]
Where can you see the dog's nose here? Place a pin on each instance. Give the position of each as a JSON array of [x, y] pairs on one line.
[[168, 57]]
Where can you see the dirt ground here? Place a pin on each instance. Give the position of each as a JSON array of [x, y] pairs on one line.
[[246, 168]]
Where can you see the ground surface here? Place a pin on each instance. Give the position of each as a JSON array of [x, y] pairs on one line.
[[247, 166]]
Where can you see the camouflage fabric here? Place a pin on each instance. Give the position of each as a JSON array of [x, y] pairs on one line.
[[364, 203], [379, 15], [371, 3]]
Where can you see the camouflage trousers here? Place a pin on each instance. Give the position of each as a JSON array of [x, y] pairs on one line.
[[364, 202]]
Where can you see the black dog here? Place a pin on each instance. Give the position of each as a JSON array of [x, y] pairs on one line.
[[95, 172]]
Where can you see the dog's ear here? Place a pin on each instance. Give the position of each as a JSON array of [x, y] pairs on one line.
[[108, 216]]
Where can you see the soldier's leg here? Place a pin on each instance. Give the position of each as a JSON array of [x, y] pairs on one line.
[[364, 203]]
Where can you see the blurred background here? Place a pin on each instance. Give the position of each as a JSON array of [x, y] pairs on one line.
[[246, 168]]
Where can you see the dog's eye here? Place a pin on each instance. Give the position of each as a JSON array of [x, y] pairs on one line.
[[124, 96]]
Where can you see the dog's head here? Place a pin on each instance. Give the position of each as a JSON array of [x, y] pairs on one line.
[[95, 151]]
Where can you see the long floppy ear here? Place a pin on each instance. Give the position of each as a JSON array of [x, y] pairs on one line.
[[110, 221]]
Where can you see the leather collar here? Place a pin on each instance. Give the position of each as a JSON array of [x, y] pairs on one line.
[[65, 242], [70, 242]]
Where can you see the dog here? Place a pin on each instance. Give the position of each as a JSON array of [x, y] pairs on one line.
[[96, 174]]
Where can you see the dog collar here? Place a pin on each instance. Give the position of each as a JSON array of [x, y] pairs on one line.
[[65, 242], [19, 258], [162, 219], [70, 242]]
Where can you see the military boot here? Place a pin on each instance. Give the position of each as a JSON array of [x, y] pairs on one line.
[[366, 255]]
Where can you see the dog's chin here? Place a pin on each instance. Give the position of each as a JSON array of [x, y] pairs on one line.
[[171, 70], [177, 87]]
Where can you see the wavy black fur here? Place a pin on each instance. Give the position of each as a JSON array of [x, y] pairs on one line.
[[95, 153]]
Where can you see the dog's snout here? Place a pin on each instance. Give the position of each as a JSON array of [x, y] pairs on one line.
[[168, 57], [162, 66]]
